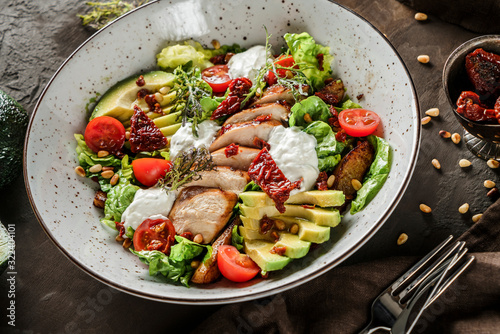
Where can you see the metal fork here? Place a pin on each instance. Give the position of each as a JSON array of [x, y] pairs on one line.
[[392, 308]]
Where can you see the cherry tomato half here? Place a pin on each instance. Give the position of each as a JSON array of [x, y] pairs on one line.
[[154, 234], [284, 61], [104, 133], [217, 77], [149, 170], [358, 122], [235, 266]]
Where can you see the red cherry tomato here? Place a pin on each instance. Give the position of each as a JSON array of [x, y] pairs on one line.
[[154, 234], [149, 170], [104, 133], [358, 122], [284, 61], [217, 77], [235, 266]]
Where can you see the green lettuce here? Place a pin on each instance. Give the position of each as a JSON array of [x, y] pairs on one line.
[[236, 238], [328, 149], [348, 104], [176, 267], [376, 176], [317, 109], [304, 50], [88, 158], [119, 196]]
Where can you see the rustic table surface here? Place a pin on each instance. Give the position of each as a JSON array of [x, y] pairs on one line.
[[55, 296]]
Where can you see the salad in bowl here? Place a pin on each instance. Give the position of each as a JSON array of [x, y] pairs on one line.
[[231, 162]]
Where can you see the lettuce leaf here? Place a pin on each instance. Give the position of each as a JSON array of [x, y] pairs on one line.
[[317, 109], [304, 50], [236, 238], [328, 149], [88, 158], [176, 267], [376, 176]]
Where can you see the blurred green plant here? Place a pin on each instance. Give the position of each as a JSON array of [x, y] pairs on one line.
[[101, 13]]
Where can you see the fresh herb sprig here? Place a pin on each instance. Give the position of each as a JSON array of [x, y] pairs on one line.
[[102, 13], [187, 167], [190, 90]]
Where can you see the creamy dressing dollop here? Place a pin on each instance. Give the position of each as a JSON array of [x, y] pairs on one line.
[[247, 64], [184, 137], [153, 203], [294, 152]]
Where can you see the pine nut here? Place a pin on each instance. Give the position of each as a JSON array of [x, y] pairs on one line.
[[444, 134], [307, 118], [127, 135], [434, 112], [119, 238], [158, 97], [102, 154], [294, 229], [464, 163], [493, 192], [195, 264], [402, 239], [114, 179], [476, 218], [80, 171], [198, 238], [425, 208], [356, 184], [424, 59], [164, 90], [420, 16], [330, 181], [127, 243], [492, 163], [96, 168], [489, 184], [107, 174], [436, 164], [425, 120], [216, 44], [456, 138], [108, 168], [463, 208], [280, 225]]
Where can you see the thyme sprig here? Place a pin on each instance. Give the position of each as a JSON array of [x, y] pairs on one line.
[[102, 13], [187, 167], [190, 90]]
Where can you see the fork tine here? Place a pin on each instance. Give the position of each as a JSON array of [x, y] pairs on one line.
[[419, 265], [450, 280], [434, 269]]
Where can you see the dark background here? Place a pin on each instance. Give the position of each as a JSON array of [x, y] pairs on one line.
[[54, 296]]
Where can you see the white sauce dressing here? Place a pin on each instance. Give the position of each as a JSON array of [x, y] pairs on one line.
[[154, 203], [184, 137], [294, 151], [247, 64]]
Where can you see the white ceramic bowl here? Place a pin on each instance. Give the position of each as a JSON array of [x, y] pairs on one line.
[[62, 201]]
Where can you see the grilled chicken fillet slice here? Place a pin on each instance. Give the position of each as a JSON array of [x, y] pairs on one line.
[[201, 210], [277, 93], [241, 161], [278, 111], [244, 134], [224, 178]]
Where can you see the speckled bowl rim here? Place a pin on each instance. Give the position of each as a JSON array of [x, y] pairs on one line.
[[459, 51], [249, 296]]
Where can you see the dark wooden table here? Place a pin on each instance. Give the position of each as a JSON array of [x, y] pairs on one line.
[[54, 296]]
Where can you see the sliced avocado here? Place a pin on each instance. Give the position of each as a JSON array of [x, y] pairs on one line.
[[309, 231], [167, 120], [250, 223], [294, 247], [325, 198], [260, 252], [251, 234], [171, 129], [118, 101], [319, 216]]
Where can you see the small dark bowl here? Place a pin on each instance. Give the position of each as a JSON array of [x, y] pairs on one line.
[[455, 81]]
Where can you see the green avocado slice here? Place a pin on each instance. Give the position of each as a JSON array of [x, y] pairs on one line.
[[325, 198]]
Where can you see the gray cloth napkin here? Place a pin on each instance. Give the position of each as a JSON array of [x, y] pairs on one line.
[[481, 16]]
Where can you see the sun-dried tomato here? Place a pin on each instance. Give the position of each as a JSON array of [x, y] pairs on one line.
[[280, 250], [341, 135], [144, 134], [262, 118], [221, 59], [320, 57], [266, 224], [142, 93], [264, 172], [231, 150], [238, 88], [153, 104], [120, 228], [483, 70], [261, 143], [140, 82], [470, 106], [322, 181]]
